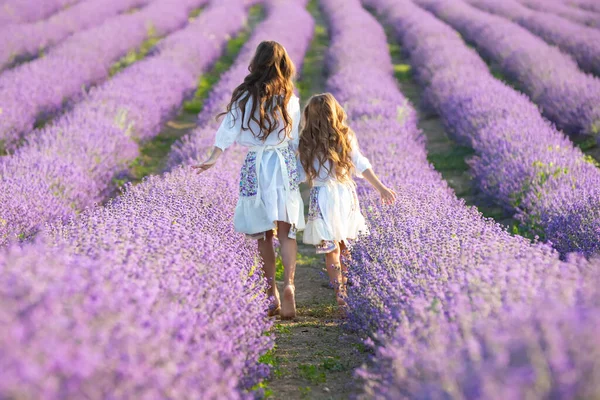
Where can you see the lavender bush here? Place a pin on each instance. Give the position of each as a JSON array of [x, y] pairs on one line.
[[41, 87], [559, 8], [27, 40], [581, 42], [132, 305], [23, 11], [588, 5], [69, 165], [550, 185], [566, 95], [452, 302]]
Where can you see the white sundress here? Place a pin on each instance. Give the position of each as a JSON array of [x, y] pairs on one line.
[[334, 211], [269, 178]]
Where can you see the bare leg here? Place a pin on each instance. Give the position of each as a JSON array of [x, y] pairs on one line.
[[334, 270], [345, 253], [289, 249], [267, 253]]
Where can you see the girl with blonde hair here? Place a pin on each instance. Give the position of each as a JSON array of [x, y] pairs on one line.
[[330, 157]]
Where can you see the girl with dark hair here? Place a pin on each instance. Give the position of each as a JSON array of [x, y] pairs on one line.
[[263, 115]]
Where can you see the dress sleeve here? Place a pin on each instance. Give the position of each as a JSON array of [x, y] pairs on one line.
[[361, 163], [296, 115], [230, 129]]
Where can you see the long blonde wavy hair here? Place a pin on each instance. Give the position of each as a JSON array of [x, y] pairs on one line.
[[325, 137], [270, 86]]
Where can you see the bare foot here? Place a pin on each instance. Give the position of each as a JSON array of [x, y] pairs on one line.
[[275, 306], [341, 298], [341, 301], [288, 306]]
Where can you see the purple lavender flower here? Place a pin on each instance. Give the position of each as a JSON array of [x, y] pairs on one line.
[[41, 87], [24, 11], [454, 306], [567, 96], [69, 166], [580, 42], [25, 40]]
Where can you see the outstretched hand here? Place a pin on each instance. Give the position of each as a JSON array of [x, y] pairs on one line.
[[388, 196], [204, 166]]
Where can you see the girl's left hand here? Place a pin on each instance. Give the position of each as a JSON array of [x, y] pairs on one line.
[[388, 196]]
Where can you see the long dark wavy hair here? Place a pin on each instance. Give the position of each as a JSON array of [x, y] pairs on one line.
[[270, 86], [326, 137]]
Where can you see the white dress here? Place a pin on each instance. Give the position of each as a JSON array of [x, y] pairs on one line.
[[334, 212], [269, 178]]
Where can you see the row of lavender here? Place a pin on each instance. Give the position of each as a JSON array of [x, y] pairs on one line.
[[23, 11], [27, 40], [159, 285], [580, 42], [572, 13], [566, 95], [589, 5], [70, 165], [523, 163], [458, 308], [40, 88]]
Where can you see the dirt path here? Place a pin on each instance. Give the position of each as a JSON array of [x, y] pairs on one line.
[[314, 357]]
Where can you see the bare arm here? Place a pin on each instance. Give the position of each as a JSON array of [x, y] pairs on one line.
[[210, 162], [388, 196]]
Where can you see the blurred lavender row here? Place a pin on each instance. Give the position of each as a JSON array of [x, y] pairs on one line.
[[153, 295], [589, 5], [70, 165], [581, 42], [566, 95], [27, 40], [456, 306], [523, 163], [40, 88], [557, 7], [23, 11]]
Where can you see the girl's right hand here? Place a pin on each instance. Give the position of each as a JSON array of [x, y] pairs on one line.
[[388, 196], [212, 160], [205, 165]]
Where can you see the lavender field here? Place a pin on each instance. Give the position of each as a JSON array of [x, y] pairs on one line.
[[121, 274]]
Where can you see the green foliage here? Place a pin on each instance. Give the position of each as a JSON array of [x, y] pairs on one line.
[[304, 391], [312, 373], [332, 364], [279, 269], [262, 390], [195, 13], [454, 160], [403, 72], [282, 329], [327, 310], [591, 160], [138, 54]]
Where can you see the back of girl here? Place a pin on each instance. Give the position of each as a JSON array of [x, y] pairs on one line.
[[263, 115], [330, 156]]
